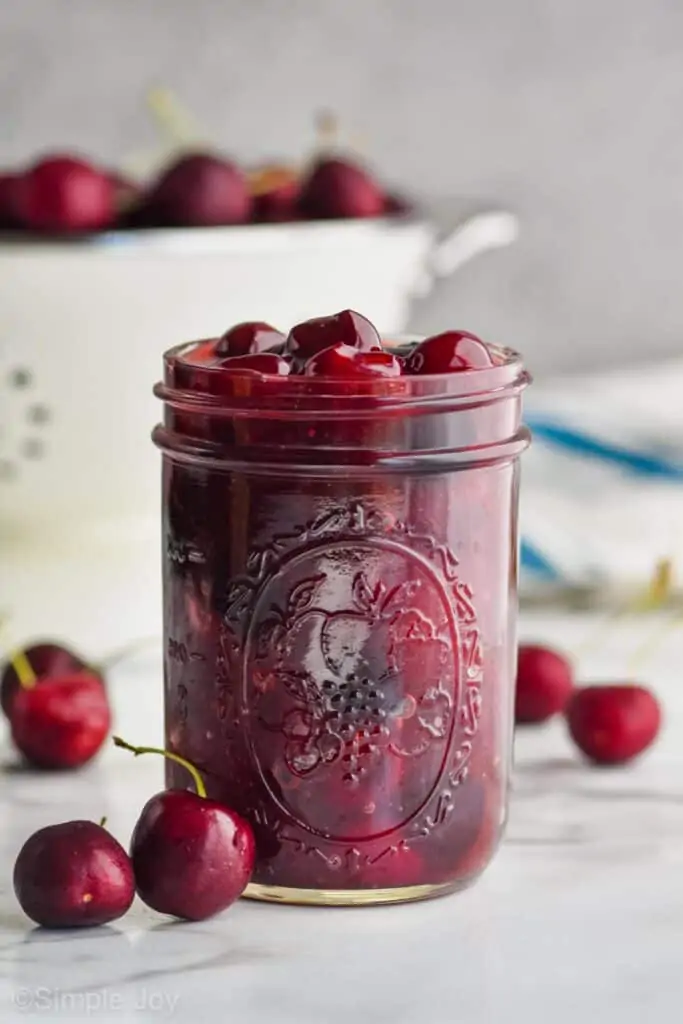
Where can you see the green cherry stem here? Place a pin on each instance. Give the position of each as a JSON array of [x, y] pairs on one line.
[[24, 670], [194, 772], [103, 821]]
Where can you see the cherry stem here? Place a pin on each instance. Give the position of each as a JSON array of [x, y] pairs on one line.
[[194, 772], [172, 119], [326, 129], [654, 596], [103, 821], [24, 670]]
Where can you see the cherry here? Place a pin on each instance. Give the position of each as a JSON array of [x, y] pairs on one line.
[[61, 193], [199, 190], [613, 724], [262, 362], [192, 856], [36, 663], [275, 193], [545, 683], [73, 875], [61, 723], [342, 360], [450, 352], [338, 188], [312, 336], [8, 214], [250, 338], [39, 661]]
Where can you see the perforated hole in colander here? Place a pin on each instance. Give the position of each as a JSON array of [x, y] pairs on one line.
[[22, 435]]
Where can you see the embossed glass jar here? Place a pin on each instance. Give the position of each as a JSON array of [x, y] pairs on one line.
[[339, 607]]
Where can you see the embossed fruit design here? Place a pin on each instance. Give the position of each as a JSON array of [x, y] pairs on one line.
[[545, 683], [73, 875], [192, 856], [613, 724], [348, 695]]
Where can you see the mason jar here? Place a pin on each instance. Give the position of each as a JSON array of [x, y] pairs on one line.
[[340, 586]]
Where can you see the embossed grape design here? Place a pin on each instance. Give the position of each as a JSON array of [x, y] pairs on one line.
[[359, 718]]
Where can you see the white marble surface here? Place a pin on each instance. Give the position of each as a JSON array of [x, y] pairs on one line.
[[578, 918]]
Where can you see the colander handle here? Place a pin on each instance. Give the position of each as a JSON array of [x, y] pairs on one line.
[[479, 233]]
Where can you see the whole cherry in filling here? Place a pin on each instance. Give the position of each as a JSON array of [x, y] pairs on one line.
[[250, 338], [261, 362], [450, 352], [346, 361], [312, 336]]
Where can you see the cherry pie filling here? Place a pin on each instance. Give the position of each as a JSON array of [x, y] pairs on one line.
[[339, 525]]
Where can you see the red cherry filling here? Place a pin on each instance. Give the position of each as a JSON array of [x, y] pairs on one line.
[[260, 362], [312, 336], [250, 338], [450, 352], [345, 361]]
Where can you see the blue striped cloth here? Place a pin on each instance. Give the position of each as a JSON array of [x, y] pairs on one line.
[[602, 499]]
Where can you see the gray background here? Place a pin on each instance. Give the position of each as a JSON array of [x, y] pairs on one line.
[[567, 110]]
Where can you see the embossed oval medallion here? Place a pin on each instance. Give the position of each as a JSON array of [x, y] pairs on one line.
[[350, 686]]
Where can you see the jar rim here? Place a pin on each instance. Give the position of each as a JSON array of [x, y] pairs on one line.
[[299, 397]]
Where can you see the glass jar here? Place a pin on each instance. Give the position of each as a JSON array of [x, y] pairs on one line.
[[340, 574]]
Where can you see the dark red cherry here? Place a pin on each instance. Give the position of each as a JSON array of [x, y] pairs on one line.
[[65, 195], [312, 336], [450, 352], [345, 361], [261, 362], [73, 875], [250, 338], [613, 724], [198, 190], [192, 856], [61, 723], [46, 660], [339, 188], [545, 683]]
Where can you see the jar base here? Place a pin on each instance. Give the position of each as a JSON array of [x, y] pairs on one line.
[[350, 897]]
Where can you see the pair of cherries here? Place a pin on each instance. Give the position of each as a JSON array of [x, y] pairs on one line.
[[346, 345], [190, 857], [610, 724]]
